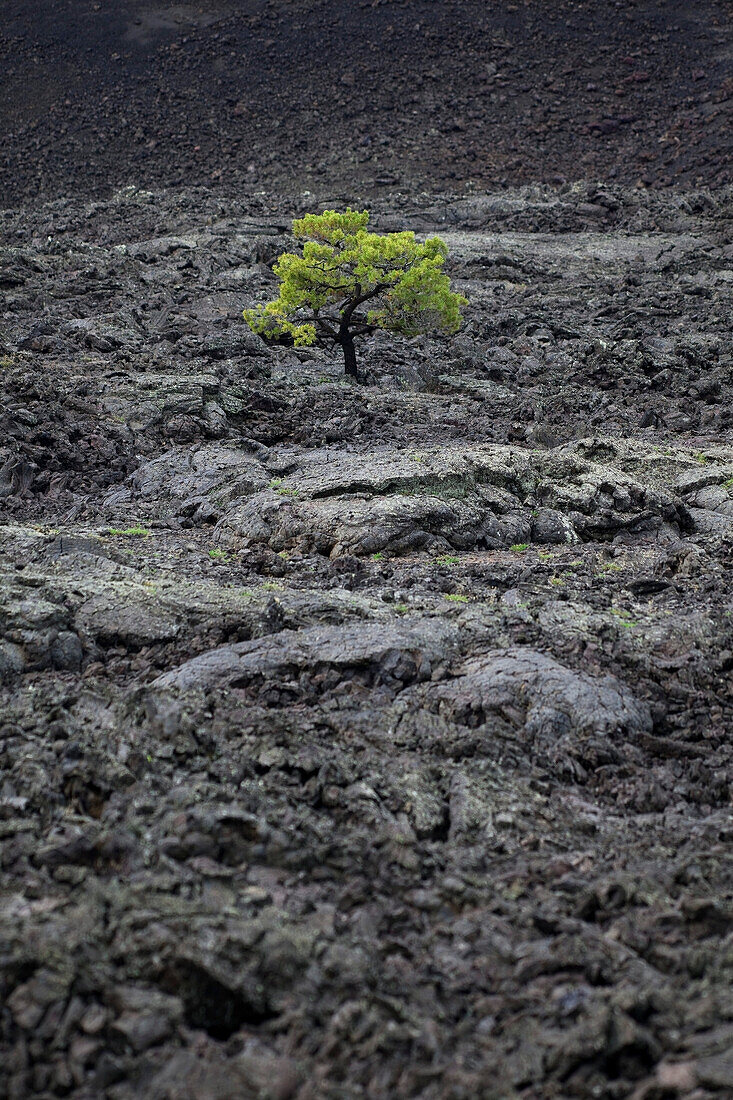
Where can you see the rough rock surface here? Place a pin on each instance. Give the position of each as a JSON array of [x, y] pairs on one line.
[[367, 741], [557, 710]]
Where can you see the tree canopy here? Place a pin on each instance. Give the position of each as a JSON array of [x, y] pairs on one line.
[[348, 282]]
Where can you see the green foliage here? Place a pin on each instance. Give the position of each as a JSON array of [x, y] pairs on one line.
[[349, 282], [283, 490], [135, 532], [519, 547], [624, 618]]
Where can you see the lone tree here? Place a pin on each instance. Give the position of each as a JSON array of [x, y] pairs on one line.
[[348, 283]]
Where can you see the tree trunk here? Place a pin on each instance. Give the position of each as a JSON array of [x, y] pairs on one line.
[[346, 340]]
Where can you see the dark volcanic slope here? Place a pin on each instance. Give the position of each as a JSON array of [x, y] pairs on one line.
[[97, 94]]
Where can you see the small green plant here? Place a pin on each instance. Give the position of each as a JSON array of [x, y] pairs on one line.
[[519, 547], [701, 458], [728, 484], [379, 556], [447, 559], [401, 608], [273, 586], [277, 484], [131, 532], [454, 597], [624, 619], [611, 567], [349, 282], [217, 554], [545, 555]]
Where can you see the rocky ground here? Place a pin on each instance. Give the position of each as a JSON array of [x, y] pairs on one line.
[[367, 741], [411, 93]]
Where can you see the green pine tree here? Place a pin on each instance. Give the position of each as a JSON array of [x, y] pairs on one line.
[[349, 282]]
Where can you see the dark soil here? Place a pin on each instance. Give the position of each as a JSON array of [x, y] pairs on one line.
[[366, 741], [406, 93]]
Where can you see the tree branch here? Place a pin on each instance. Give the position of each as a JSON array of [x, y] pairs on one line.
[[360, 298], [327, 328]]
